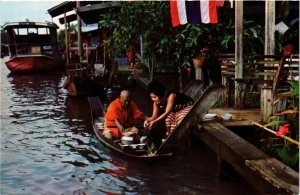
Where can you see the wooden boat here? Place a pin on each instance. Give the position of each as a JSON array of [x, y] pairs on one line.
[[82, 82], [132, 151], [181, 133], [32, 47]]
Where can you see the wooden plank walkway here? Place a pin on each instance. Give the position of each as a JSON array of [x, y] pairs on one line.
[[265, 174]]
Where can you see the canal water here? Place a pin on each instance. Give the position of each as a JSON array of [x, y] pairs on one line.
[[48, 147]]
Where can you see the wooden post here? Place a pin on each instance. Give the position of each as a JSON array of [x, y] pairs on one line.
[[79, 34], [238, 52], [226, 95], [66, 39], [267, 94], [151, 68], [266, 102], [269, 27]]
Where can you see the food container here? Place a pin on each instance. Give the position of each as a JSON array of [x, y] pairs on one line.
[[209, 117], [226, 116], [100, 126], [138, 146], [127, 140], [128, 134]]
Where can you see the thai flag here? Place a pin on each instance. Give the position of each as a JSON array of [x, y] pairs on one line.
[[194, 12]]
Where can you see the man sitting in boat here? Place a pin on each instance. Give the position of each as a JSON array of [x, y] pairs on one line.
[[169, 108], [121, 117]]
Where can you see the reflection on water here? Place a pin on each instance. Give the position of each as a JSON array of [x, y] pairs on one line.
[[48, 147]]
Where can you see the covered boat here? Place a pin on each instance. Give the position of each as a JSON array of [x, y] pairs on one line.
[[33, 47]]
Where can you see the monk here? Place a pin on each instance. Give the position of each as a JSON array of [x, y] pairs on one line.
[[122, 116]]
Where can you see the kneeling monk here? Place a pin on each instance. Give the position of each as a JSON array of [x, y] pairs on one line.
[[122, 116]]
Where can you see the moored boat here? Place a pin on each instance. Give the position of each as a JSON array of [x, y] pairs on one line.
[[82, 82], [32, 47]]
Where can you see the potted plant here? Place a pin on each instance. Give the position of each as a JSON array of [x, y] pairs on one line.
[[200, 57]]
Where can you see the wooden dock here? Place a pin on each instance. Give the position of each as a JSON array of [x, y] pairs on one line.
[[240, 118], [264, 173]]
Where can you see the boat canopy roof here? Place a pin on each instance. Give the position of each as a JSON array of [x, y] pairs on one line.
[[89, 11], [11, 25]]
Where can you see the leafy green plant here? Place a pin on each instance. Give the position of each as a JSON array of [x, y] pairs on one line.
[[151, 149], [287, 122], [288, 154], [253, 34], [137, 19], [61, 36]]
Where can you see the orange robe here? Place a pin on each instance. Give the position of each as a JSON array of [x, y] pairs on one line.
[[127, 117]]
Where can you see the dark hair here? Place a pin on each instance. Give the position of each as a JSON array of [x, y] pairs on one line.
[[157, 88]]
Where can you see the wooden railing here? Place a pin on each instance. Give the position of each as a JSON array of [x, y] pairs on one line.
[[265, 71]]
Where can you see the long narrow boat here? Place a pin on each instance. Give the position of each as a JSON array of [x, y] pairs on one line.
[[181, 133], [98, 113], [32, 47]]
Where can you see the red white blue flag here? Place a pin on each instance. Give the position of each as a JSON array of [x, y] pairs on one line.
[[194, 12]]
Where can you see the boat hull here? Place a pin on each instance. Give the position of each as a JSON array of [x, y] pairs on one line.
[[33, 63]]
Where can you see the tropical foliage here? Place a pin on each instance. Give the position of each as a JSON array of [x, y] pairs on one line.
[[286, 122], [166, 45], [61, 36]]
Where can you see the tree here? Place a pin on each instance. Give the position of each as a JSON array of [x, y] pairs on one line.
[[61, 36]]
